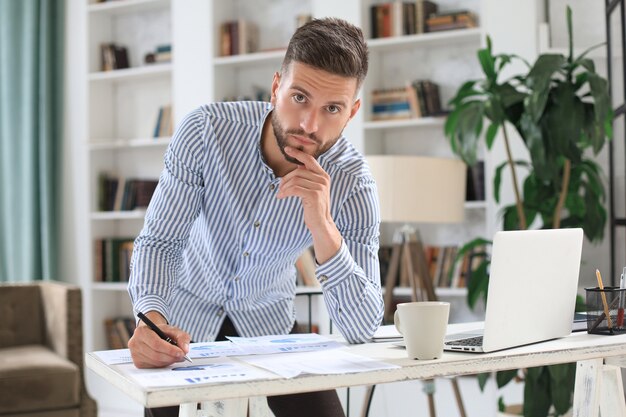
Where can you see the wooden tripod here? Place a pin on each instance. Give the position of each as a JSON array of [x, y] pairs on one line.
[[408, 256]]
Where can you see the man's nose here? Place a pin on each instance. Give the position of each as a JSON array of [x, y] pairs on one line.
[[309, 122]]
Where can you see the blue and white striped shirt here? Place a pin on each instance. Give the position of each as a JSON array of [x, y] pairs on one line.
[[217, 241]]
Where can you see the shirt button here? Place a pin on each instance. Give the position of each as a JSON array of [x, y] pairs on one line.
[[220, 312], [246, 254], [236, 278], [272, 186], [257, 224], [323, 278]]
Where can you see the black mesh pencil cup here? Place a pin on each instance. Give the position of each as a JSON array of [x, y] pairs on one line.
[[605, 310]]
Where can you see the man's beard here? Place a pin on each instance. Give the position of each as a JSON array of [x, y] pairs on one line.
[[281, 140]]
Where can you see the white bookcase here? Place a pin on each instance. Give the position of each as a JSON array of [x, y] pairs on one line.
[[121, 108]]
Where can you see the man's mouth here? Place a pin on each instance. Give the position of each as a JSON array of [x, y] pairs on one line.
[[303, 140]]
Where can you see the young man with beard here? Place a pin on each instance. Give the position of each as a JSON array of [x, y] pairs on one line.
[[248, 186]]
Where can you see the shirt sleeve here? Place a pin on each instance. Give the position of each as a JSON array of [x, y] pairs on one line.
[[351, 279], [175, 205]]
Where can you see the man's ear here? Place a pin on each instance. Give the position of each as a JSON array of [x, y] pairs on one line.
[[275, 86], [355, 107]]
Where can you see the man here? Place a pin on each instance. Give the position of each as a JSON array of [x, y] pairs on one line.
[[246, 188]]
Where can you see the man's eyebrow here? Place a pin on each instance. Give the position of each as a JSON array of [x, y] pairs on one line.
[[340, 103]]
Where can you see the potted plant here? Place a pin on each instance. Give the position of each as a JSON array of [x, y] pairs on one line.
[[561, 110]]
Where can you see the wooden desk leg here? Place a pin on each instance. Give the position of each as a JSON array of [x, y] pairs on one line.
[[258, 407], [188, 410], [612, 395], [587, 388]]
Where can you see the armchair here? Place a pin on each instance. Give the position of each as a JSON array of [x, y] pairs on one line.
[[41, 352]]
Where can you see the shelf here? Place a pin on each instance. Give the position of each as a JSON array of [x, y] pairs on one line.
[[112, 144], [404, 123], [447, 37], [113, 8], [475, 205], [110, 286], [127, 74], [118, 215], [250, 59]]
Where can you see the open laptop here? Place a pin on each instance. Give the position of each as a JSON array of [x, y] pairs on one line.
[[532, 290]]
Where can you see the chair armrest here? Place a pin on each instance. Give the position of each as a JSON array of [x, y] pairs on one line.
[[62, 308]]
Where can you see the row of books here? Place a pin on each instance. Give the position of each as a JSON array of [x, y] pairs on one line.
[[238, 37], [445, 273], [164, 126], [112, 259], [420, 98], [113, 57], [399, 18], [118, 331], [461, 19], [161, 54], [117, 193]]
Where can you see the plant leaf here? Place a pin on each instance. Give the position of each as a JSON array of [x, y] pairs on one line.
[[537, 392], [504, 377], [482, 380]]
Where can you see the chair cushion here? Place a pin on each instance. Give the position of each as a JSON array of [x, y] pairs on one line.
[[34, 378], [17, 303]]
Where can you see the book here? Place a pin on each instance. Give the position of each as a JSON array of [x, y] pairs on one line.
[[423, 10]]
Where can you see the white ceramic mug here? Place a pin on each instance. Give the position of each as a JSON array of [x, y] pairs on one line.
[[423, 325]]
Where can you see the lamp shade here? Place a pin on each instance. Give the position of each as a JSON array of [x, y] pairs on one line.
[[417, 189]]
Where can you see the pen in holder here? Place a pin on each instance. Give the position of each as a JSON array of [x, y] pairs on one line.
[[603, 301]]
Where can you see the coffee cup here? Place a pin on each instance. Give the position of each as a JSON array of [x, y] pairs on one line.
[[423, 325]]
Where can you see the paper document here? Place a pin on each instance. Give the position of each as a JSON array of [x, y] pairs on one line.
[[112, 357], [239, 346], [300, 342], [387, 334], [214, 349], [319, 362], [202, 371]]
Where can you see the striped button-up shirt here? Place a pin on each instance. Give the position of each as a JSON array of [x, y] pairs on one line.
[[216, 241]]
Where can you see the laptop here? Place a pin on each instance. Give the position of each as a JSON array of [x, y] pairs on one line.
[[532, 290]]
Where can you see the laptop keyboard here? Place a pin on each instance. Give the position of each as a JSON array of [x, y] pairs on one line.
[[470, 341]]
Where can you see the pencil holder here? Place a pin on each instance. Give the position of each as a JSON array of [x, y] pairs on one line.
[[605, 310]]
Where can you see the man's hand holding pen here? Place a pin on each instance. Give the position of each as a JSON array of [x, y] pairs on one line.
[[149, 350]]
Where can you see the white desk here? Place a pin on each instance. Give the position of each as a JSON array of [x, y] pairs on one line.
[[598, 357]]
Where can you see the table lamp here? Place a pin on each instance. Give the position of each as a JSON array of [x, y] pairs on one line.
[[416, 189]]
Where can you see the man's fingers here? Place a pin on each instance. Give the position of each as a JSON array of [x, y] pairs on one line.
[[308, 160], [148, 350]]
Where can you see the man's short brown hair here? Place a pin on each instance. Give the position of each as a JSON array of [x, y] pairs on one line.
[[332, 45]]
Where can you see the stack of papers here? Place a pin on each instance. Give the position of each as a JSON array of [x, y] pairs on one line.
[[248, 358]]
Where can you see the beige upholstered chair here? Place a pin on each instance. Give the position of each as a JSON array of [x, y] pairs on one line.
[[41, 352]]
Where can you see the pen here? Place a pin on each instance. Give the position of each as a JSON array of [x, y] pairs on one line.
[[158, 331], [603, 296]]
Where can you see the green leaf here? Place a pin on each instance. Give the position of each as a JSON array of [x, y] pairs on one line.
[[482, 380], [504, 377], [492, 130], [562, 378], [478, 283], [487, 64], [538, 82], [537, 393]]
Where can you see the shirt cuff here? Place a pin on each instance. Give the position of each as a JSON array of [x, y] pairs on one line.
[[153, 303], [337, 269]]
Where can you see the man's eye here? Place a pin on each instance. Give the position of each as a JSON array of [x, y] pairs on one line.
[[333, 109], [299, 98]]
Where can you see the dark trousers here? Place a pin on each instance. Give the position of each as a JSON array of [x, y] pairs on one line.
[[308, 404]]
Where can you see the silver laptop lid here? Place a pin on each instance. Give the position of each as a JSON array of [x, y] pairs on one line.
[[532, 286]]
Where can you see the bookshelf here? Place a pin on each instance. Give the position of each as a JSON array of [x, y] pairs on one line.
[[122, 106]]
